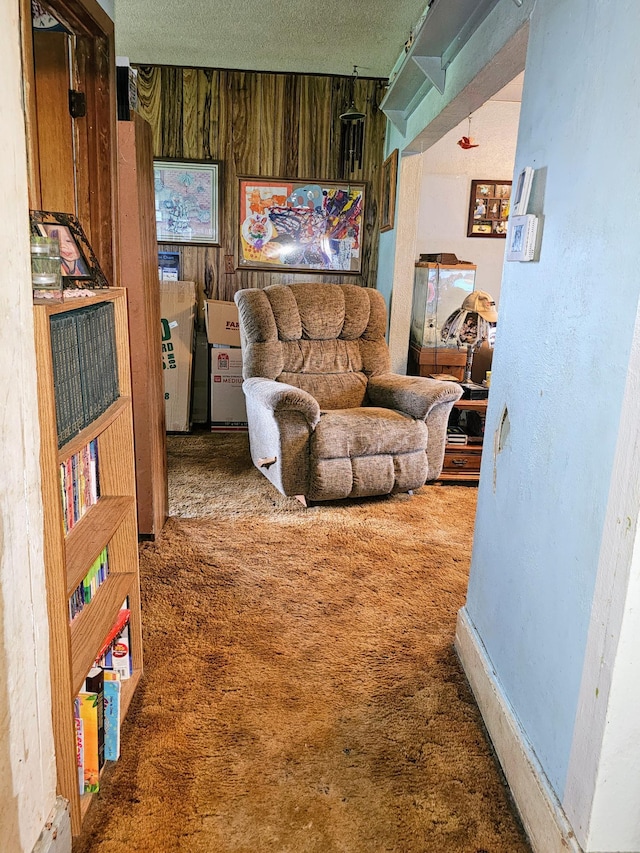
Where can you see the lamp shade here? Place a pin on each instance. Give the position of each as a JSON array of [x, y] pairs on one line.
[[472, 323]]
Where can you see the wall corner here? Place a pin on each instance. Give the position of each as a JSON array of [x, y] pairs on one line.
[[56, 834]]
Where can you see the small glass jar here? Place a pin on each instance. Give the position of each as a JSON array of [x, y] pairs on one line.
[[46, 279]]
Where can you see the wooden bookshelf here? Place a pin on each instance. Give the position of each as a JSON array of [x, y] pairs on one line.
[[111, 522]]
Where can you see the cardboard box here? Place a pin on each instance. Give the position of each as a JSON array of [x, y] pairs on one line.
[[200, 397], [177, 317], [228, 410], [221, 321]]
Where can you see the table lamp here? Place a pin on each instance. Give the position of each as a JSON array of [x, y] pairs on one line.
[[471, 325]]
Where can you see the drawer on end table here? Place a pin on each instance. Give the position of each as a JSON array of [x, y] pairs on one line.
[[461, 462]]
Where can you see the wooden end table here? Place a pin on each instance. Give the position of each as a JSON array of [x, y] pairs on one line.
[[462, 461]]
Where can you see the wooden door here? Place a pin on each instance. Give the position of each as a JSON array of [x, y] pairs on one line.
[[51, 54]]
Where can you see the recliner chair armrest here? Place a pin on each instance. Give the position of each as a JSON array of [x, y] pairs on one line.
[[279, 397], [414, 395]]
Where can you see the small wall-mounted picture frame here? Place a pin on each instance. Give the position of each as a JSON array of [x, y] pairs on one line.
[[388, 195], [79, 266], [489, 207], [523, 233], [522, 192]]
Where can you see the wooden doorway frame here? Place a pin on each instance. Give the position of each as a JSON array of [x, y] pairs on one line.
[[93, 73]]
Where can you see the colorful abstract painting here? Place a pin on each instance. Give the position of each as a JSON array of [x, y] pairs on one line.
[[186, 201], [302, 225]]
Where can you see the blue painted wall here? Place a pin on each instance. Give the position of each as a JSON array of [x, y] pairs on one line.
[[387, 246], [564, 339], [564, 336]]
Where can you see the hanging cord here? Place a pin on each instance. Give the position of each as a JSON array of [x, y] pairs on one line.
[[437, 297]]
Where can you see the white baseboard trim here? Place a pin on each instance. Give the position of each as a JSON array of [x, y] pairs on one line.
[[544, 820], [56, 835]]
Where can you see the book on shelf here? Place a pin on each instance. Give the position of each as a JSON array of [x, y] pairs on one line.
[[458, 439], [115, 632], [120, 654], [92, 581], [112, 689], [79, 487], [87, 356], [66, 376], [456, 435], [115, 653], [92, 715], [94, 471], [79, 727], [85, 366], [97, 708]]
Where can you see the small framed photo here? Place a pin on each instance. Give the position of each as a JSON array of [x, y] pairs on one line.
[[480, 227], [187, 201], [489, 205], [523, 234], [79, 266], [388, 196]]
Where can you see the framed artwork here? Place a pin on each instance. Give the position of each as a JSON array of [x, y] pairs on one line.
[[79, 266], [489, 207], [388, 195], [187, 201], [298, 224]]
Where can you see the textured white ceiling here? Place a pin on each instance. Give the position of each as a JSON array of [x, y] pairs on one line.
[[512, 91], [304, 36]]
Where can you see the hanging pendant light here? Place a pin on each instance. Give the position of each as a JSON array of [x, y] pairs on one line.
[[352, 133]]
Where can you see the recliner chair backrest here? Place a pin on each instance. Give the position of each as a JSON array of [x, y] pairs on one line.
[[324, 338]]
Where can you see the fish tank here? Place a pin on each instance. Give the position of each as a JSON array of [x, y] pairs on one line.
[[438, 291]]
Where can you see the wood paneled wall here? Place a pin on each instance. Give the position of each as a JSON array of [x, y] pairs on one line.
[[267, 125]]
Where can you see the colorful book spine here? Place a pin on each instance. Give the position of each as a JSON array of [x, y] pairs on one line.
[[79, 727], [63, 496], [121, 655], [86, 477], [91, 583], [94, 683], [112, 689], [69, 489], [114, 634], [94, 484], [75, 497], [79, 484], [90, 704]]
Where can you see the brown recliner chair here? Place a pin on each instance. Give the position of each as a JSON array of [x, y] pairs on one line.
[[327, 419]]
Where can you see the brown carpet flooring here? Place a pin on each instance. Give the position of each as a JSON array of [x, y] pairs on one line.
[[301, 692]]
